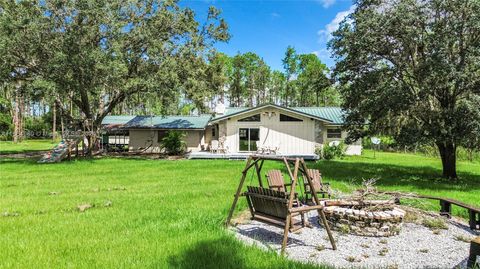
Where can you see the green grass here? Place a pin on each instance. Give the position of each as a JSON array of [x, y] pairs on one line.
[[8, 147], [168, 214]]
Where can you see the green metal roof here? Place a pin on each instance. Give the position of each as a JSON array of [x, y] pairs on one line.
[[116, 119], [333, 115], [169, 122]]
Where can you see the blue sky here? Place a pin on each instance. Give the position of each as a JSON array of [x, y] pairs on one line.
[[267, 27]]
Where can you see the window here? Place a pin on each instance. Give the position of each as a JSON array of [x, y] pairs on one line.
[[248, 138], [161, 135], [284, 117], [213, 131], [254, 118], [334, 133]]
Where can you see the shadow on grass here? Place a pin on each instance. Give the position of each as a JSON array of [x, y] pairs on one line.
[[228, 252], [388, 175], [220, 253]]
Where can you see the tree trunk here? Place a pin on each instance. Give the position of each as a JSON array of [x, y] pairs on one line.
[[54, 123], [449, 159], [15, 119]]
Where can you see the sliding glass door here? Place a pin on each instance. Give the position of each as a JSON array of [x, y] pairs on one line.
[[248, 138]]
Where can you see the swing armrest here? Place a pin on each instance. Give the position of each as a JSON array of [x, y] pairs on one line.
[[305, 208]]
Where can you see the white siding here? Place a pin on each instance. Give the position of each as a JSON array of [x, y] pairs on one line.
[[141, 139], [295, 138]]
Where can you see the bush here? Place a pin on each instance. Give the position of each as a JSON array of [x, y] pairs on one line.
[[173, 143], [331, 152]]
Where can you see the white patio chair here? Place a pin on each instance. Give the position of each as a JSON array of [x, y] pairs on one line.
[[214, 146]]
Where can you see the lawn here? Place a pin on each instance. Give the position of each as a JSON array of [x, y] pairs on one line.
[[8, 147], [168, 214]]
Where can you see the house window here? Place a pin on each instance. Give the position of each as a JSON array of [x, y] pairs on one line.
[[254, 118], [161, 135], [334, 133], [284, 117], [248, 138], [213, 131]]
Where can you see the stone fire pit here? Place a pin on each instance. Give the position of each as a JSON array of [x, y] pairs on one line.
[[367, 218]]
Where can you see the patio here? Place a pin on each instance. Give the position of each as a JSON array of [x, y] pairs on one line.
[[240, 155]]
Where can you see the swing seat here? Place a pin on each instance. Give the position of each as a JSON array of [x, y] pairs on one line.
[[271, 207]]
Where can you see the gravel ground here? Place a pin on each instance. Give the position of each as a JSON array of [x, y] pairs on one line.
[[415, 247]]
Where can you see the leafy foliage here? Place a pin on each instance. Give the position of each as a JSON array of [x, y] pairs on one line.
[[174, 143], [411, 69], [328, 152]]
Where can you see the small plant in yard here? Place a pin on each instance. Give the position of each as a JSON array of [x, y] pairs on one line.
[[173, 143], [383, 241], [463, 238], [352, 259], [331, 152], [365, 245], [383, 252], [320, 247], [436, 231], [434, 223], [344, 229], [365, 255]]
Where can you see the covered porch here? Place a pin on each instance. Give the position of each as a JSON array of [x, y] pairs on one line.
[[242, 155]]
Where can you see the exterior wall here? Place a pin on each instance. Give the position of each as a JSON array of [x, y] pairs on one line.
[[295, 138], [351, 149], [291, 137], [208, 136], [141, 139]]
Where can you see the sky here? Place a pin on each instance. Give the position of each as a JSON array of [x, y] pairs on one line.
[[267, 27]]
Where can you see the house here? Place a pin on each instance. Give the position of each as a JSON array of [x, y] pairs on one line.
[[291, 131]]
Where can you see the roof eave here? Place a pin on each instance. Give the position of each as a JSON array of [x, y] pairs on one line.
[[267, 105]]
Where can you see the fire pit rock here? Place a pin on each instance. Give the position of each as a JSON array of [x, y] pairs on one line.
[[365, 219]]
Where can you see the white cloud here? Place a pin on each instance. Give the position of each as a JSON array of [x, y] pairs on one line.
[[325, 34], [327, 3], [275, 15]]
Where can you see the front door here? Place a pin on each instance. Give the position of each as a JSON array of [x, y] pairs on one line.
[[248, 138]]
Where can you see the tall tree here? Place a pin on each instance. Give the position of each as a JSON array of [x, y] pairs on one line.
[[412, 67], [219, 73], [237, 86], [22, 28], [98, 53], [276, 87], [251, 66], [262, 79], [290, 65], [312, 80]]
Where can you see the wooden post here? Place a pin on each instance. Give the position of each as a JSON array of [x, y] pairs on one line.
[[258, 170], [445, 208], [239, 189], [473, 221], [321, 214], [290, 201], [474, 252]]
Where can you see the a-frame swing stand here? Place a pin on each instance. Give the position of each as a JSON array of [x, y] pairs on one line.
[[299, 165]]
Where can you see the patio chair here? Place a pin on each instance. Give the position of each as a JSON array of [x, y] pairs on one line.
[[277, 182], [261, 149], [214, 146], [319, 186]]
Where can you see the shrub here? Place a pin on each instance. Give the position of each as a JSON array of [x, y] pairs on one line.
[[173, 143], [332, 152]]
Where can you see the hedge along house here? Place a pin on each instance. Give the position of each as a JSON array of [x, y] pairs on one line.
[[145, 133], [292, 131]]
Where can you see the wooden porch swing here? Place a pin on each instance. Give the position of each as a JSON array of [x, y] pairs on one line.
[[277, 207]]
